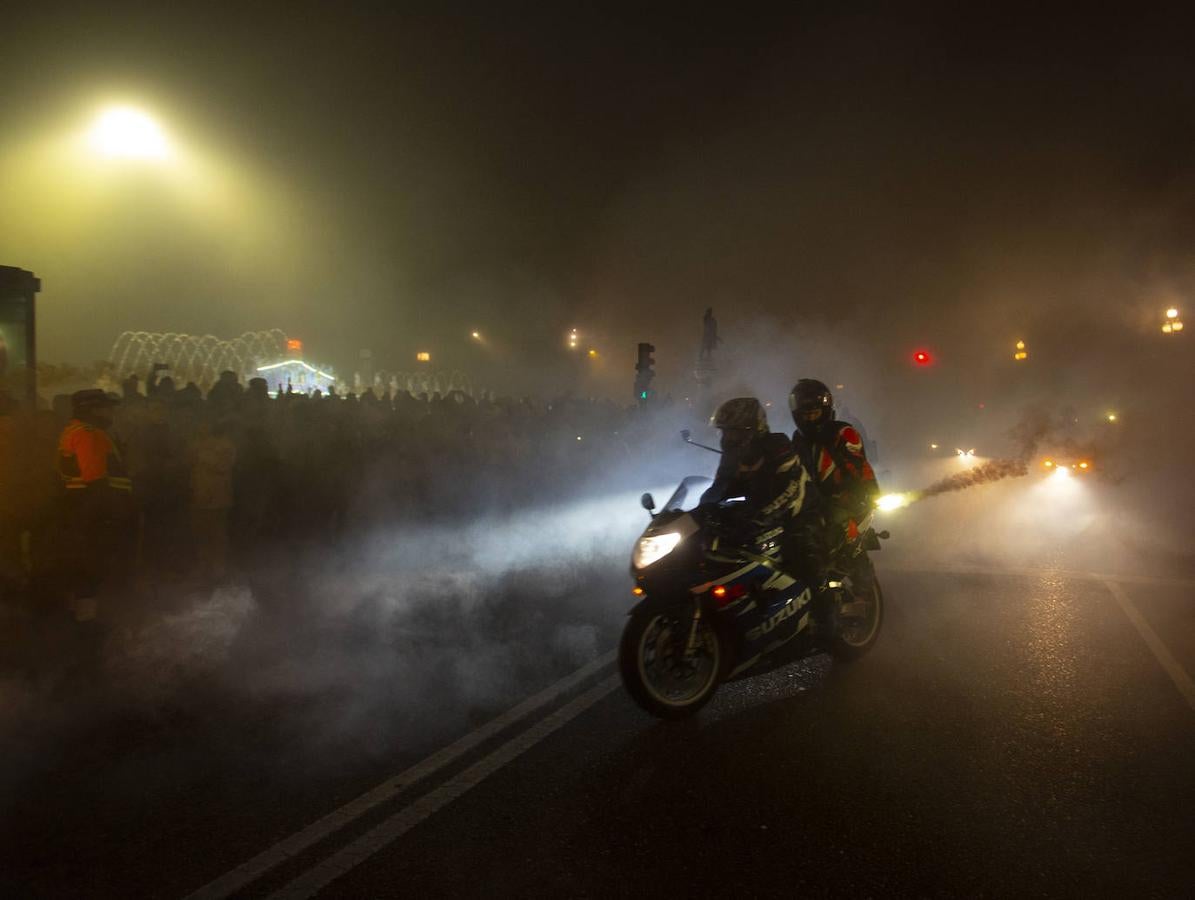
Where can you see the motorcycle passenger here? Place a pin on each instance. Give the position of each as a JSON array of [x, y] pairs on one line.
[[761, 466], [833, 453]]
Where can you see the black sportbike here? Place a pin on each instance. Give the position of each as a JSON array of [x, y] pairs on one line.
[[710, 612]]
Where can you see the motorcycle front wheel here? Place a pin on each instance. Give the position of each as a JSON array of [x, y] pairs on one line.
[[655, 670]]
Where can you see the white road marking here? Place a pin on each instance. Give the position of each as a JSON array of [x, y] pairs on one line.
[[1173, 668], [316, 879], [255, 868], [325, 872]]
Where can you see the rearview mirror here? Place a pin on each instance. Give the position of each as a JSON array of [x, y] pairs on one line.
[[648, 502]]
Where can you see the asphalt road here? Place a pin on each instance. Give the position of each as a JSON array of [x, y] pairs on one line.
[[1011, 735]]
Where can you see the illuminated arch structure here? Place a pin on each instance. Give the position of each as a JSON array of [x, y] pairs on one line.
[[417, 383], [268, 354], [196, 358]]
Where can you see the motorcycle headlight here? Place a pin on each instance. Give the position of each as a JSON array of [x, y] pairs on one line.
[[654, 548]]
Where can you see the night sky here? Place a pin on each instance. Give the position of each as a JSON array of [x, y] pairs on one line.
[[396, 177]]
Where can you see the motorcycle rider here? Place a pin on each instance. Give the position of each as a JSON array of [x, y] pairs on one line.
[[833, 453], [762, 467]]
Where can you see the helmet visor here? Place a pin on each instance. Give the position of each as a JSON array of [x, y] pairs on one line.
[[811, 413], [735, 438]]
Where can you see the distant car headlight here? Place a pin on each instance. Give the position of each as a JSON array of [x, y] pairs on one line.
[[653, 548]]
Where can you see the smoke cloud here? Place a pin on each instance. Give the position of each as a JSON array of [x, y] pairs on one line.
[[984, 473]]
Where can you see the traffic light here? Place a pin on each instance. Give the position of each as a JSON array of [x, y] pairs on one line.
[[922, 358], [646, 360], [644, 372]]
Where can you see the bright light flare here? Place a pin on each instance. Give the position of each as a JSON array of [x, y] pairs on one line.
[[124, 132], [890, 502], [1172, 313], [654, 548], [476, 335], [1111, 417]]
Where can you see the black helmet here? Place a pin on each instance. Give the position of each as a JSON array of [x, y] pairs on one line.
[[742, 412], [812, 406], [741, 420]]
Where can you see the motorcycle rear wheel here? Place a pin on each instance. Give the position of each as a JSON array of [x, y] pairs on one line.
[[855, 635], [654, 671]]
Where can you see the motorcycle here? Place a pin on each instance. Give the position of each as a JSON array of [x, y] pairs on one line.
[[711, 612]]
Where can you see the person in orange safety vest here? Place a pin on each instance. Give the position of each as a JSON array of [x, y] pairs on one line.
[[87, 455], [98, 496]]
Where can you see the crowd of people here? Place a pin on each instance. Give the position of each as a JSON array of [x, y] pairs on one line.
[[196, 485]]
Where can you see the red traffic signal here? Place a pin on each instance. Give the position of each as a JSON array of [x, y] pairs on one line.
[[922, 358]]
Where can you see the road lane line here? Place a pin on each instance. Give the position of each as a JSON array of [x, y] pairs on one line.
[[1173, 668], [248, 872], [324, 873]]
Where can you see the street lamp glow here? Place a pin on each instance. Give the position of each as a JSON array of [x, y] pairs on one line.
[[1111, 417], [128, 133], [476, 335], [1172, 313]]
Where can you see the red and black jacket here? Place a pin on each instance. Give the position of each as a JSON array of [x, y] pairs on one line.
[[839, 467]]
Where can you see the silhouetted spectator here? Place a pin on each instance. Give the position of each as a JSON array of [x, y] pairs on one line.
[[213, 456], [225, 395]]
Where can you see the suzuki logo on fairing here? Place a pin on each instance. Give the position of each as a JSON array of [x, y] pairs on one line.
[[790, 609]]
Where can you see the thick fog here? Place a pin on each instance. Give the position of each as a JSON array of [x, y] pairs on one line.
[[393, 184], [820, 182]]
